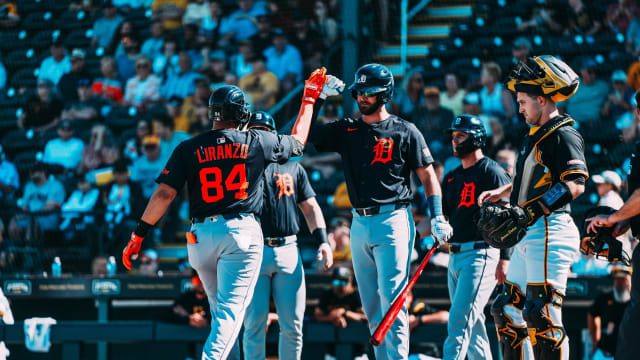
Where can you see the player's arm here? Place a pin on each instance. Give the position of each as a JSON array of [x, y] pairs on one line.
[[496, 194], [594, 323], [628, 210], [440, 228], [355, 315], [312, 89], [438, 317], [318, 228]]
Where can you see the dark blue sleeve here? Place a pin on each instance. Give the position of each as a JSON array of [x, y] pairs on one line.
[[276, 148], [419, 153], [326, 137], [174, 173], [304, 190], [446, 207]]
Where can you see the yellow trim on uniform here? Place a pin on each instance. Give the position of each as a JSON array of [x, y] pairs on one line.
[[533, 130], [569, 172]]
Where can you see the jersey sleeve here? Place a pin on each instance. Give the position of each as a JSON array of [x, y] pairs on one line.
[[326, 137], [446, 207], [565, 156], [499, 177], [419, 153], [174, 173], [304, 191], [277, 148]]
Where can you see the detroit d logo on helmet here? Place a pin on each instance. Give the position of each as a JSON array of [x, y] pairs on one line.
[[362, 79]]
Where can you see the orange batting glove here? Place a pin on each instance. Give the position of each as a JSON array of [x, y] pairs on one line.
[[313, 85], [131, 250]]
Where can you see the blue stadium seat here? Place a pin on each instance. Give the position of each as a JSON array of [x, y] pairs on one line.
[[39, 21]]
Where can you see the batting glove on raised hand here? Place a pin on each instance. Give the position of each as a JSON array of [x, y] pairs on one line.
[[313, 85], [131, 250], [441, 230], [332, 87]]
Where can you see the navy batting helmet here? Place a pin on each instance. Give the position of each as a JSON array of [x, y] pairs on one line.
[[548, 76], [227, 103], [472, 126], [373, 80], [261, 119], [602, 243]]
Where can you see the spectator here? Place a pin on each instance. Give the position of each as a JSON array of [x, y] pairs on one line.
[[42, 194], [188, 116], [152, 47], [582, 19], [9, 17], [341, 303], [432, 119], [202, 122], [65, 150], [495, 98], [133, 147], [548, 17], [181, 84], [43, 109], [409, 96], [93, 155], [196, 11], [521, 50], [620, 15], [86, 109], [147, 168], [106, 26], [7, 257], [53, 67], [77, 211], [284, 61], [212, 23], [586, 104], [507, 159], [216, 68], [169, 138], [264, 37], [240, 63], [123, 32], [309, 42], [124, 205], [9, 183], [240, 24], [3, 76], [170, 12], [340, 241], [149, 263], [192, 308], [619, 101], [421, 314], [632, 42], [609, 185], [143, 89], [167, 62], [99, 266], [127, 61], [262, 85], [605, 314], [109, 87], [232, 79], [323, 24], [68, 84], [453, 95]]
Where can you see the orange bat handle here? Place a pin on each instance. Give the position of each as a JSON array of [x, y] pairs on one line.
[[395, 308]]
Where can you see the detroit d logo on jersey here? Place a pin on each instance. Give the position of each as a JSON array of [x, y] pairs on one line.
[[284, 183], [468, 195], [382, 151]]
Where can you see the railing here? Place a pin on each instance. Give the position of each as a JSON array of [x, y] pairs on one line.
[[405, 17]]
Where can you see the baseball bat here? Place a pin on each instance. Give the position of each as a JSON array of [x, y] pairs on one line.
[[395, 308]]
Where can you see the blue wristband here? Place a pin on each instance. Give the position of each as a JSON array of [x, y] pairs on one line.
[[434, 203]]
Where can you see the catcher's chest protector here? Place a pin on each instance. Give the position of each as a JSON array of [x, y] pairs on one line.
[[533, 177]]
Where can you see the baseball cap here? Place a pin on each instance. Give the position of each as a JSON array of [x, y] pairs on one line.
[[150, 140], [84, 82], [619, 75], [150, 253], [472, 98], [342, 273], [65, 124], [431, 91], [620, 270], [78, 53], [120, 166], [609, 177], [522, 42], [217, 54], [279, 32]]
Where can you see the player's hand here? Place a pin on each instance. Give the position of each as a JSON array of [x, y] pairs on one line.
[[414, 321], [325, 252], [597, 222], [441, 230], [313, 85], [332, 87], [131, 250], [489, 196], [501, 270], [197, 320]]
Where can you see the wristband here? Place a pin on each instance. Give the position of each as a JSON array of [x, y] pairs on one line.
[[434, 204], [321, 235], [558, 196], [143, 228]]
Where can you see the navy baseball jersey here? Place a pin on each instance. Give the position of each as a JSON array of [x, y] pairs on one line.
[[551, 153], [378, 158], [634, 183], [223, 169], [285, 186], [460, 190]]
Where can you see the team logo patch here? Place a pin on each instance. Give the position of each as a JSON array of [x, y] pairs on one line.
[[575, 162], [468, 195], [284, 183], [426, 152], [362, 79], [382, 150], [165, 171], [221, 140]]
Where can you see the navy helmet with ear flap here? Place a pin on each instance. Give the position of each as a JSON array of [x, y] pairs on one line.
[[472, 126], [227, 103], [374, 80], [261, 118]]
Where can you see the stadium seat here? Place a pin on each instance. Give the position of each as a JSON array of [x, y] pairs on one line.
[[14, 39], [39, 21], [22, 58], [16, 141], [24, 78], [77, 39], [43, 39], [122, 118], [71, 20]]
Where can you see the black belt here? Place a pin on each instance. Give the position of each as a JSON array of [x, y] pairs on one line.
[[456, 248], [375, 210], [274, 241], [229, 216]]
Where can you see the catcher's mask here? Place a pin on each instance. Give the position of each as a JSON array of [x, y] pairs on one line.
[[548, 76], [602, 244]]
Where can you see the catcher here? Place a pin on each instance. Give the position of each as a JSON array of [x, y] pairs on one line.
[[550, 173]]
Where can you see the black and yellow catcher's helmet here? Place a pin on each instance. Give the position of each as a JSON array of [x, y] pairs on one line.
[[549, 76]]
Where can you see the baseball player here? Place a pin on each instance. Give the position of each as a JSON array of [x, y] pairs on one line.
[[550, 173], [473, 265], [628, 346], [281, 274], [379, 151], [223, 170]]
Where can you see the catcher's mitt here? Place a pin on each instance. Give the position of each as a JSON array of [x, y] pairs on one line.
[[500, 226]]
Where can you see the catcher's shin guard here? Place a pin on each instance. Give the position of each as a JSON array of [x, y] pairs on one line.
[[510, 336], [546, 336]]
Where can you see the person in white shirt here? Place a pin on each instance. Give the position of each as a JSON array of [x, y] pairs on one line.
[[65, 150], [77, 209], [56, 65]]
